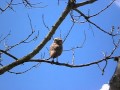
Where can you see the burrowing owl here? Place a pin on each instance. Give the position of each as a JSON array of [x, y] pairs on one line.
[[56, 48]]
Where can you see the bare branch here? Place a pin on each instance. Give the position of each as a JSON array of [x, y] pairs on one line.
[[90, 27], [40, 46], [115, 47], [84, 3], [10, 55], [68, 32], [45, 23], [31, 24], [100, 68], [106, 58], [27, 58], [26, 3], [71, 65], [21, 61], [73, 57], [87, 18], [106, 62], [8, 6], [34, 66], [80, 46], [31, 5], [5, 37], [26, 39], [103, 9]]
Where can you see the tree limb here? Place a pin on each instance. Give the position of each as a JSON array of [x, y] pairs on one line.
[[84, 3], [43, 43], [71, 65], [10, 55], [87, 18], [40, 46]]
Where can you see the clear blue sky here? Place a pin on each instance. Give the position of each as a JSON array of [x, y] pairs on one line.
[[52, 77]]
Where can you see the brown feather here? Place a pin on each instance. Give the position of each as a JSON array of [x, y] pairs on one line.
[[56, 48]]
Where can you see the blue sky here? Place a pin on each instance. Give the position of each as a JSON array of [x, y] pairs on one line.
[[51, 77]]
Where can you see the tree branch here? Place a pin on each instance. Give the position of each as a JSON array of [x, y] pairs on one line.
[[71, 65], [43, 43], [40, 46], [10, 55], [84, 3], [8, 6], [103, 9], [87, 18]]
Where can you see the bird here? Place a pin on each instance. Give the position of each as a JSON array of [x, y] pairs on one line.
[[56, 48]]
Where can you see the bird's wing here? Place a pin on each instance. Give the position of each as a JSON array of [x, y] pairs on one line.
[[54, 47]]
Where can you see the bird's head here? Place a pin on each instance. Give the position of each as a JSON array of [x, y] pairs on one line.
[[58, 41]]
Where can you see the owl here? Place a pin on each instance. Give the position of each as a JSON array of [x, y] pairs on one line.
[[56, 48]]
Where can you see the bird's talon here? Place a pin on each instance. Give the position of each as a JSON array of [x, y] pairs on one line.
[[52, 62]]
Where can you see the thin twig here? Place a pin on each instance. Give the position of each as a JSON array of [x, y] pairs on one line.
[[103, 9], [84, 3], [70, 65], [100, 68], [25, 70], [5, 36], [87, 18], [8, 6], [25, 40], [40, 46], [10, 55], [68, 32], [80, 46], [45, 24], [106, 62], [73, 57]]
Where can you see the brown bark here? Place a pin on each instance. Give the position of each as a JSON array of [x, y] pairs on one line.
[[115, 80]]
